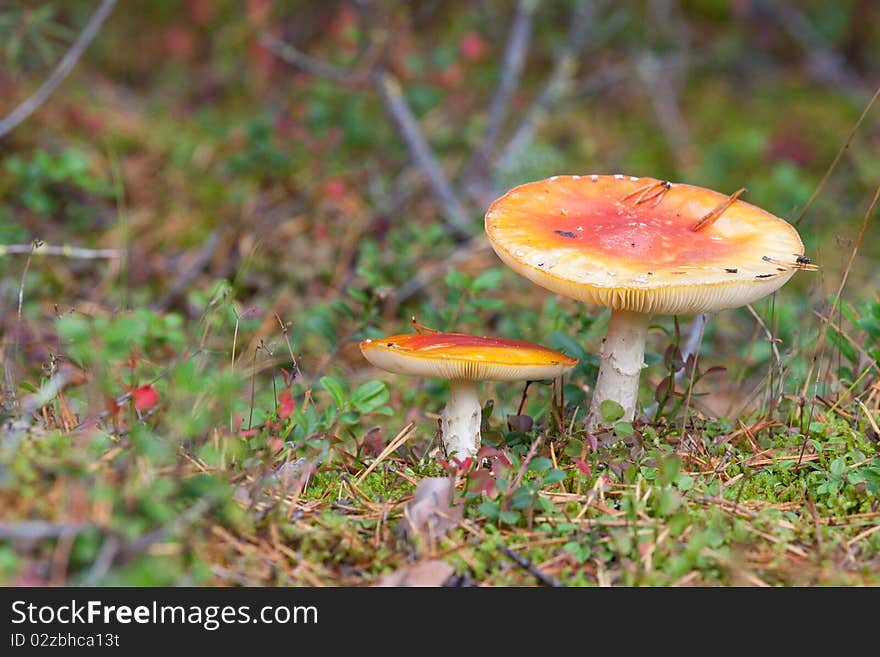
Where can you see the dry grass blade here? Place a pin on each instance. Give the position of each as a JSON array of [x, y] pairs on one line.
[[837, 157], [823, 334], [405, 434]]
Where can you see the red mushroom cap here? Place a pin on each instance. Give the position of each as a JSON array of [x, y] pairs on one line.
[[630, 243], [456, 356]]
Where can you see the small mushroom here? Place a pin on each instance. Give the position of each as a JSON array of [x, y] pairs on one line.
[[464, 360], [705, 251]]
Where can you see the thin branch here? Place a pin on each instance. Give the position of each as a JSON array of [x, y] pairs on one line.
[[823, 63], [64, 251], [295, 57], [474, 246], [29, 106], [663, 77], [454, 214], [185, 279], [511, 68], [30, 531], [557, 85], [530, 567]]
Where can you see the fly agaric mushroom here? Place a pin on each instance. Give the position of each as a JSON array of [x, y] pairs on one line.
[[640, 246], [464, 360]]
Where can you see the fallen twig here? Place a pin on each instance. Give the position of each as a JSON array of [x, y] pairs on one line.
[[531, 568], [41, 95], [454, 214], [511, 68], [557, 85]]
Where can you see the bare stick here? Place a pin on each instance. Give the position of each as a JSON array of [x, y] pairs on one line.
[[454, 213], [522, 469], [39, 530], [823, 63], [294, 57], [557, 85], [185, 279], [65, 251], [529, 567], [477, 244], [511, 68], [41, 95]]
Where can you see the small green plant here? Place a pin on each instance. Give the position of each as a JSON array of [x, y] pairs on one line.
[[49, 183]]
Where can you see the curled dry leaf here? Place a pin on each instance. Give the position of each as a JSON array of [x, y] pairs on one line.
[[430, 514], [433, 572]]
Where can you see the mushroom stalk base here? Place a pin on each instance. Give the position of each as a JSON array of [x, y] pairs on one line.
[[460, 420], [622, 359]]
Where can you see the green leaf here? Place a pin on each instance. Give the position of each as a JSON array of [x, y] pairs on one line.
[[611, 411], [580, 552], [333, 386], [489, 509], [567, 345], [349, 417], [522, 497], [684, 482], [509, 517], [488, 280], [553, 477], [623, 429], [574, 448], [540, 464], [370, 396]]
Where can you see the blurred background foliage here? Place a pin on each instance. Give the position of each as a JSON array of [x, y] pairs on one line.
[[246, 194]]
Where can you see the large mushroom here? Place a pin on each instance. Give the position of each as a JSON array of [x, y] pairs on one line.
[[640, 246], [464, 360]]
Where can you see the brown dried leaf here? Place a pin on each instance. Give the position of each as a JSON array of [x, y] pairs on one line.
[[424, 573], [430, 514]]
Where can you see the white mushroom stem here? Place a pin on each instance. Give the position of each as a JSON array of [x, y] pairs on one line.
[[460, 420], [622, 359]]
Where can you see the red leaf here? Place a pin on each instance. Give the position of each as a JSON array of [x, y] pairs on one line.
[[144, 397], [463, 465], [473, 47], [481, 481], [285, 403], [583, 466]]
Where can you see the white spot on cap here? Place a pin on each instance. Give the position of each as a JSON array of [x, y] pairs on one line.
[[715, 238], [634, 178], [520, 253], [368, 340], [580, 227], [594, 178], [618, 176], [553, 178], [575, 177], [642, 278]]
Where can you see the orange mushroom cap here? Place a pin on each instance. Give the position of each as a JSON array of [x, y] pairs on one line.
[[630, 243], [456, 356]]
